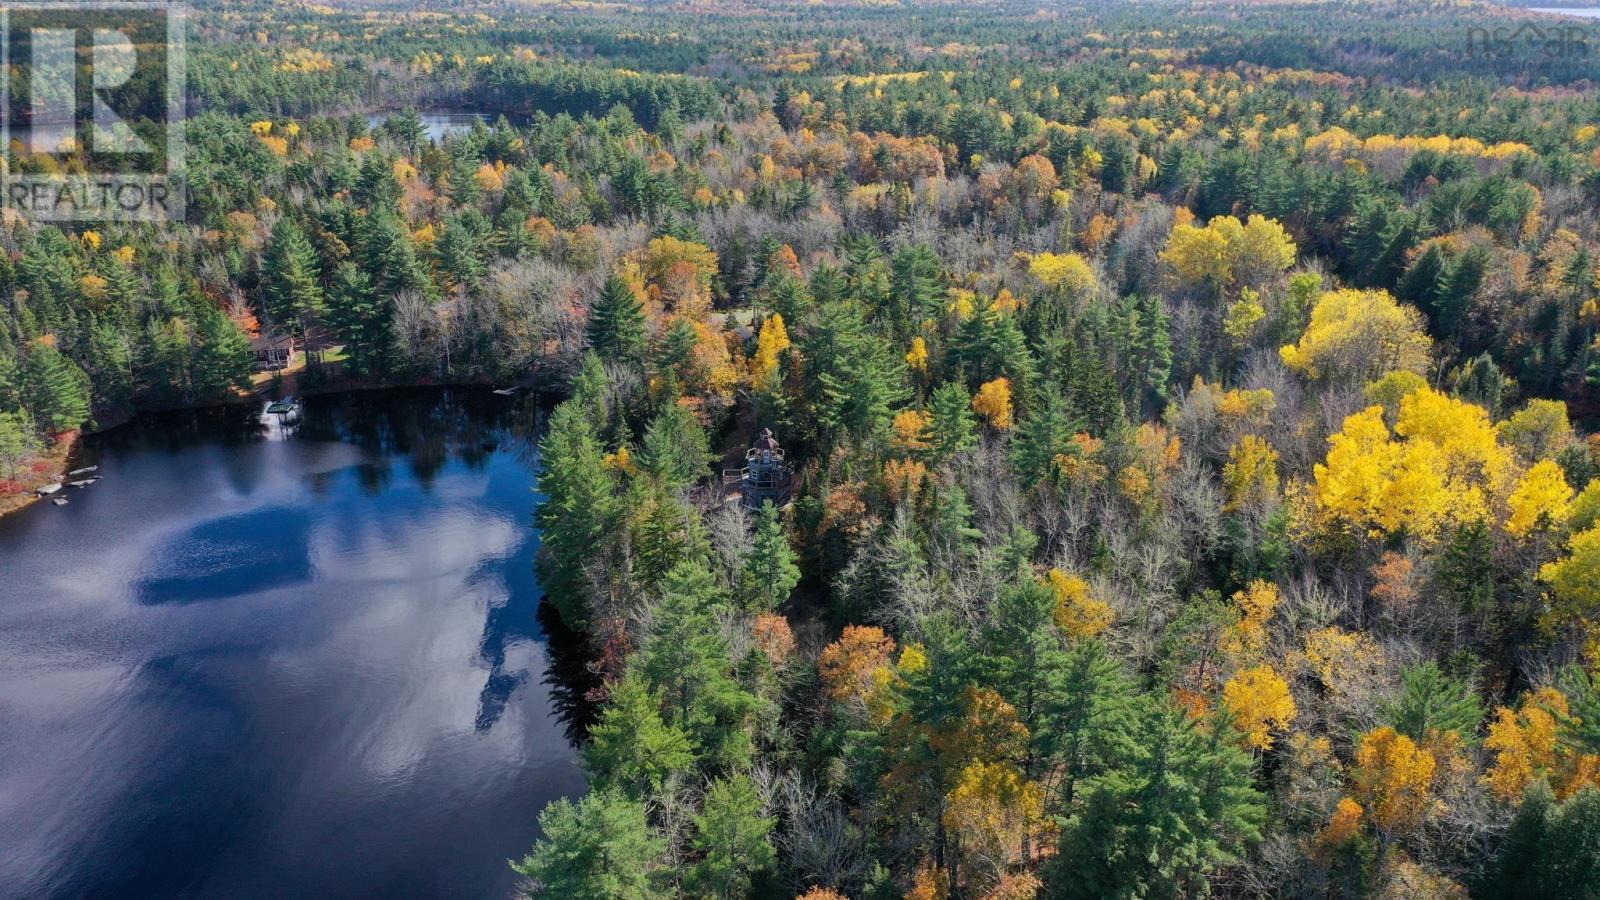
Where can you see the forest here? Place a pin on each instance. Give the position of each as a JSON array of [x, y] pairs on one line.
[[1187, 410]]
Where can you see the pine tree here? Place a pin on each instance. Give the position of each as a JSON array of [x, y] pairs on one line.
[[666, 531], [675, 448], [770, 572], [461, 248], [675, 349], [17, 442], [223, 362], [1431, 702], [360, 320], [855, 378], [578, 511], [631, 749], [686, 658], [914, 283], [1179, 805], [55, 389], [290, 278], [1026, 662], [616, 323], [1043, 435], [1088, 715], [1552, 850], [731, 836], [953, 428], [1518, 866], [600, 848], [388, 257]]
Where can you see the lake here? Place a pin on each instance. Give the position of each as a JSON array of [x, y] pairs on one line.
[[258, 661], [437, 123], [1580, 12]]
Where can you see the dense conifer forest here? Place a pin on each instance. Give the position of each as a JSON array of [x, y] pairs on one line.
[[1183, 409]]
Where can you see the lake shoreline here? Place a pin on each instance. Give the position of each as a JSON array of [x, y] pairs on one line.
[[63, 453], [316, 642]]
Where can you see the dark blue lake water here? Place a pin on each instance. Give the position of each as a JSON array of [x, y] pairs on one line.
[[258, 662]]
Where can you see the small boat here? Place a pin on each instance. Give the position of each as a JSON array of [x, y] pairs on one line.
[[49, 489], [60, 501], [284, 406], [508, 392], [84, 471], [82, 484]]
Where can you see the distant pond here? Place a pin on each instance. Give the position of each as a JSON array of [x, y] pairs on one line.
[[437, 123], [267, 660]]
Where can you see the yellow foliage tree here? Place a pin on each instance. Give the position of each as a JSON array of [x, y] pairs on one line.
[[1078, 613], [1250, 477], [1539, 430], [1260, 703], [993, 402], [1541, 500], [846, 665], [770, 345], [1226, 250], [1525, 742], [1344, 824], [491, 178], [917, 356], [911, 429], [1247, 637], [1393, 780], [1443, 470], [993, 810], [1359, 334], [1575, 578], [1063, 270]]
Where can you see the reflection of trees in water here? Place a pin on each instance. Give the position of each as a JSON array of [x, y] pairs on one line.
[[505, 624], [429, 427], [174, 432], [568, 675]]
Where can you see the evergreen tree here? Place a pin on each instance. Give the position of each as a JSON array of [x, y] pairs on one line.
[[770, 572], [290, 278], [1518, 866], [666, 531], [1178, 806], [675, 447], [616, 323], [17, 442], [223, 362], [600, 848], [952, 427], [1431, 702], [914, 285], [686, 658], [54, 389], [1552, 850], [388, 257], [1088, 716], [731, 836], [578, 511], [675, 349], [359, 319], [855, 378], [631, 749], [1043, 434]]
